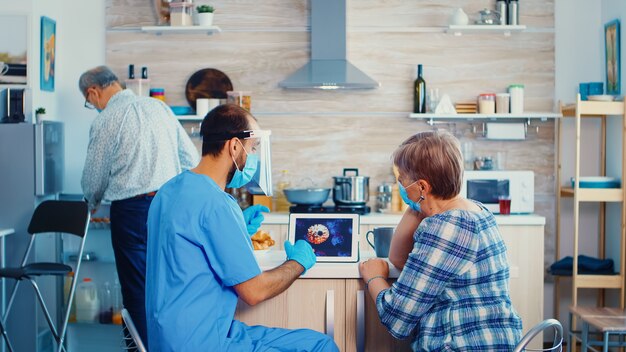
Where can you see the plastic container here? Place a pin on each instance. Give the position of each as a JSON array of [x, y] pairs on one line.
[[487, 103], [282, 204], [117, 303], [502, 103], [517, 98], [67, 287], [181, 14], [87, 304]]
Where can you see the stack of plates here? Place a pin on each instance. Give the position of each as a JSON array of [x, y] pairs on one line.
[[466, 108], [598, 182]]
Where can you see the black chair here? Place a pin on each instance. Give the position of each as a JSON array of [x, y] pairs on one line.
[[56, 217]]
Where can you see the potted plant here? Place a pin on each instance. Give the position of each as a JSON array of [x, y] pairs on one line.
[[205, 15], [39, 114]]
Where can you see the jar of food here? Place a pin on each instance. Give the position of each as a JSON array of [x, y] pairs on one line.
[[487, 103], [239, 98], [181, 14], [502, 103], [517, 98]]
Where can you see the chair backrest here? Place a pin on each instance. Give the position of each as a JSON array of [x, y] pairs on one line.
[[134, 334], [557, 344], [56, 216]]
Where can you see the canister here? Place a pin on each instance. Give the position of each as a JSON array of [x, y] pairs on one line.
[[181, 14], [513, 13], [502, 103], [517, 98], [487, 103]]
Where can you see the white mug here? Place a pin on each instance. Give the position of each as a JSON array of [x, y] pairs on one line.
[[4, 68], [202, 107]]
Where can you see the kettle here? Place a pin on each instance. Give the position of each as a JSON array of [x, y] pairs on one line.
[[351, 189]]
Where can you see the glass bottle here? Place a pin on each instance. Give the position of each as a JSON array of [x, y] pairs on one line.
[[117, 303], [419, 93], [106, 304]]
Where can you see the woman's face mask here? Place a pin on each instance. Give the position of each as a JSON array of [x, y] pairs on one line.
[[405, 197], [242, 177]]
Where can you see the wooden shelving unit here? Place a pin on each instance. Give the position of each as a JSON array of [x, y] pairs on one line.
[[578, 111]]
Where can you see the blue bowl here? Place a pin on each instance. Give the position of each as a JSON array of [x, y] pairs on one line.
[[598, 182], [182, 110]]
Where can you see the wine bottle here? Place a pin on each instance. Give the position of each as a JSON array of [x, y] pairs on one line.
[[419, 94]]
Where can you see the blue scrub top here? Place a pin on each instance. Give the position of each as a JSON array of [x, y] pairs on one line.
[[198, 248]]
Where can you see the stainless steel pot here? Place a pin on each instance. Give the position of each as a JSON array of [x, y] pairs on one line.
[[351, 190]]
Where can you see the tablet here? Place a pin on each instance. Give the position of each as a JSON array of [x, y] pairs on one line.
[[334, 237]]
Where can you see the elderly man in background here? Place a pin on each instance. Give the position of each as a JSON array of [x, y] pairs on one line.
[[135, 145]]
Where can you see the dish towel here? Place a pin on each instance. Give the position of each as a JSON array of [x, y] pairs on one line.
[[586, 265]]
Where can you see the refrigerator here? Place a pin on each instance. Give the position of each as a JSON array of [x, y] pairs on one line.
[[31, 171]]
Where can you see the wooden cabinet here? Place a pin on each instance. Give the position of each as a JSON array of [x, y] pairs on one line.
[[317, 304]]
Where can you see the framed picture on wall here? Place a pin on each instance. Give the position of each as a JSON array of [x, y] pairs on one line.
[[48, 45], [612, 52]]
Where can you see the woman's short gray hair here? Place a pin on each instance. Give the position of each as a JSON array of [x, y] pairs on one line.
[[433, 156], [100, 76]]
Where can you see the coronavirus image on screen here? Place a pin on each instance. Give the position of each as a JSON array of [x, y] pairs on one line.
[[328, 237]]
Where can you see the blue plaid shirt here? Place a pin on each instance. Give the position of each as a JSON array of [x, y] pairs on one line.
[[453, 292]]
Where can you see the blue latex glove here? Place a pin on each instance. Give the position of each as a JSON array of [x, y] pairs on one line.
[[253, 215], [301, 252]]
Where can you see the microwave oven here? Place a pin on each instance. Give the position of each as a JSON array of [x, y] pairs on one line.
[[487, 186]]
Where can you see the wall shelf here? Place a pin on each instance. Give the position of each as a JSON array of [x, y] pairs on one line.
[[159, 30], [189, 118], [507, 30], [525, 115]]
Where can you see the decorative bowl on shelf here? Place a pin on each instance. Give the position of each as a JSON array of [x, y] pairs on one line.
[[598, 182], [182, 110]]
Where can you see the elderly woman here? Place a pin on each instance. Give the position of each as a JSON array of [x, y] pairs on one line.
[[453, 290]]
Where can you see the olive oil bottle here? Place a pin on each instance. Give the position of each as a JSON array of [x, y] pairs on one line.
[[419, 93]]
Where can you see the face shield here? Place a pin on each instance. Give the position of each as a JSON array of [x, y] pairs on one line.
[[261, 182]]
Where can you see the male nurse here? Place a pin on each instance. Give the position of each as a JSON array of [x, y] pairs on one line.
[[200, 257]]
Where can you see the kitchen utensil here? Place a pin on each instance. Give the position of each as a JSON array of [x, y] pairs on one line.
[[489, 17], [351, 190], [603, 97], [382, 240], [307, 196], [207, 83], [597, 182]]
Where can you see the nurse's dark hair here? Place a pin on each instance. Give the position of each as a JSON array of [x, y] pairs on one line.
[[220, 125], [100, 76], [433, 156]]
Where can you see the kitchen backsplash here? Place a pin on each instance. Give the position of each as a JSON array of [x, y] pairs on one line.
[[317, 133]]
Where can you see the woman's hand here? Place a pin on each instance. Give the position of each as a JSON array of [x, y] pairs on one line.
[[373, 267]]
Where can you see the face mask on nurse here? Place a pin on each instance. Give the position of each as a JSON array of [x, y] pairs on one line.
[[242, 177]]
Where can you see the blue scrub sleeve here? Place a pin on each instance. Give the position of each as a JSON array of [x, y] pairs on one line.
[[228, 247]]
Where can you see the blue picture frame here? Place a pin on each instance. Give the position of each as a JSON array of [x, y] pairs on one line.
[[612, 57], [48, 54]]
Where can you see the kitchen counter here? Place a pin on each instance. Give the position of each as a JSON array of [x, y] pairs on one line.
[[274, 258], [394, 218]]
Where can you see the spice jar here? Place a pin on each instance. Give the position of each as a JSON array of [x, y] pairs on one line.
[[239, 98], [487, 103]]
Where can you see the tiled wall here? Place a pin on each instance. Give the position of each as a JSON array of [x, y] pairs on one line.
[[317, 133]]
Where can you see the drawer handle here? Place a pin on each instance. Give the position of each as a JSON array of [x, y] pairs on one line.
[[330, 313], [360, 320]]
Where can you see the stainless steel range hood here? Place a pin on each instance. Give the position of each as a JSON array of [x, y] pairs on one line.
[[328, 68]]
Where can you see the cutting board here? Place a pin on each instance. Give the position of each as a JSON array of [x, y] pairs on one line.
[[207, 83]]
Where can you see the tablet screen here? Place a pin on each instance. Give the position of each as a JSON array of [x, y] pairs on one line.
[[329, 237]]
